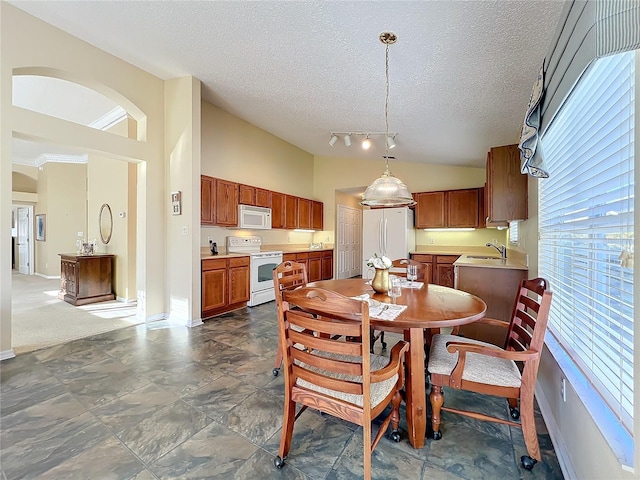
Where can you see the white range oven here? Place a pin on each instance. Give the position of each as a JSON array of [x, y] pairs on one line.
[[261, 267]]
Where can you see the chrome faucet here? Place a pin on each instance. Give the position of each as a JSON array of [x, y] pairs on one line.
[[502, 249]]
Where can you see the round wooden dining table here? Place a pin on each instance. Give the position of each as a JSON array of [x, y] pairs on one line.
[[429, 307]]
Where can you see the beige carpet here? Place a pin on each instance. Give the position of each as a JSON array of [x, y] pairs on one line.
[[39, 319]]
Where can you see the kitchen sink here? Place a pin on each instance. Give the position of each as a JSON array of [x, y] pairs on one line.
[[483, 257]]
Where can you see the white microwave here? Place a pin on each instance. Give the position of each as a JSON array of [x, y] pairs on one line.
[[254, 218]]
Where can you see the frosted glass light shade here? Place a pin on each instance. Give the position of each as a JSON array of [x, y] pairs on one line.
[[387, 191]]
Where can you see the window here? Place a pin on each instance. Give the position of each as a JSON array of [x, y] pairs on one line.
[[514, 232], [586, 228]]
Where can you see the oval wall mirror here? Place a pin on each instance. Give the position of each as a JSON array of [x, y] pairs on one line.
[[105, 223]]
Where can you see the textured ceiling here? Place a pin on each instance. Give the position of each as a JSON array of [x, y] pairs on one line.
[[461, 71]]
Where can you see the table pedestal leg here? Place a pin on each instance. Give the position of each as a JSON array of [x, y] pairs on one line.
[[416, 397]]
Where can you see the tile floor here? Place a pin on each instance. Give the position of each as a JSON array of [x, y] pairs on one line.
[[158, 401]]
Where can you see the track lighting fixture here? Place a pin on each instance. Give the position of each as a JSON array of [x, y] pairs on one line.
[[333, 139], [347, 140], [391, 143], [366, 143]]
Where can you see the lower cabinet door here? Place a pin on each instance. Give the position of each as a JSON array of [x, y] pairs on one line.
[[214, 289], [238, 285]]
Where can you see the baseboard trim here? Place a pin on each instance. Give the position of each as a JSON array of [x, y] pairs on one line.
[[7, 354], [195, 322], [155, 318], [557, 439], [48, 277], [126, 300]]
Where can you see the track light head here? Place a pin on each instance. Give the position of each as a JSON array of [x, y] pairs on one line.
[[391, 143], [333, 139], [347, 140], [366, 143]]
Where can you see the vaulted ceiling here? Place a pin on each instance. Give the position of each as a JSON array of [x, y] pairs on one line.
[[461, 72]]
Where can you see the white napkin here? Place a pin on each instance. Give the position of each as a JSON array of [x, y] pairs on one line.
[[383, 311], [386, 311], [404, 283]]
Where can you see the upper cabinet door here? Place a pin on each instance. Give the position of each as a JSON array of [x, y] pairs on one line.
[[317, 211], [430, 210], [263, 198], [290, 212], [506, 186], [226, 203], [463, 207], [247, 195], [304, 213], [207, 194], [277, 209]]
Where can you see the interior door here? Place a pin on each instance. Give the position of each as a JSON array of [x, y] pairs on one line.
[[23, 240], [348, 245]]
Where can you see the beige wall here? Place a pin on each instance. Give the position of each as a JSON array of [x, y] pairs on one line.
[[109, 181], [28, 45], [62, 197], [182, 157]]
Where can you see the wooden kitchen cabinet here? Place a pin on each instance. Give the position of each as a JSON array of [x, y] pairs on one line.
[[226, 204], [428, 262], [85, 278], [506, 189], [463, 208], [290, 212], [207, 194], [317, 212], [315, 266], [246, 194], [448, 209], [430, 211], [440, 267], [263, 198], [327, 264], [277, 209], [303, 258], [225, 285], [304, 213], [444, 273]]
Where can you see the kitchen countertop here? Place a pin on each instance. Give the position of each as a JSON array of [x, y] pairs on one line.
[[496, 262]]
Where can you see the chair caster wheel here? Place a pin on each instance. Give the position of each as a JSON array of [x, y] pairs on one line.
[[384, 345], [528, 462], [275, 372], [395, 436], [515, 413], [437, 435], [278, 462]]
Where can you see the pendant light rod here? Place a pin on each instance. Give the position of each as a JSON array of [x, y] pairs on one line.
[[387, 190]]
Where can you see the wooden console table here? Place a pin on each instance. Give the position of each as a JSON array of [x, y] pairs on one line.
[[85, 278]]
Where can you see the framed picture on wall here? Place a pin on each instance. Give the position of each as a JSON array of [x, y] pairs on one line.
[[41, 227]]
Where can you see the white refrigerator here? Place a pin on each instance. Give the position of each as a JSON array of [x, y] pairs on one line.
[[387, 231]]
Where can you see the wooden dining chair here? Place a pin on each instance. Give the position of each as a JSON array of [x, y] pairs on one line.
[[399, 268], [338, 377], [286, 276], [509, 372]]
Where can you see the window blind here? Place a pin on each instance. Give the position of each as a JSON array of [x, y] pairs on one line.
[[586, 228]]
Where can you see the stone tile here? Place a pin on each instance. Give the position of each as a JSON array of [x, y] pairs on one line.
[[64, 349], [220, 396], [213, 452], [131, 409], [226, 359], [38, 454], [316, 445], [386, 462], [257, 371], [62, 364], [39, 418], [160, 433], [31, 391], [260, 465], [107, 460], [469, 453], [257, 417], [102, 382], [186, 380]]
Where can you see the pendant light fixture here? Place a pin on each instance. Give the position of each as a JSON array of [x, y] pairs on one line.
[[387, 190]]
